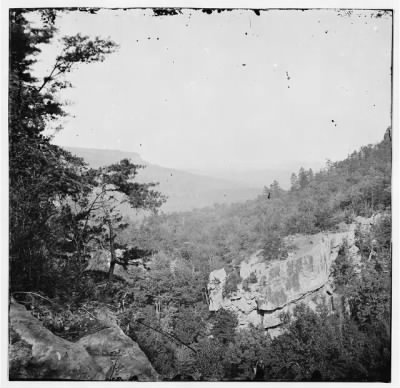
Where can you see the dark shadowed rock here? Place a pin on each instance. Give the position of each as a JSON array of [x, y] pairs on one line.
[[118, 355], [35, 353], [100, 262]]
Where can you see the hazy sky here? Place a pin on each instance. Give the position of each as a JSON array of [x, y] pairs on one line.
[[230, 89]]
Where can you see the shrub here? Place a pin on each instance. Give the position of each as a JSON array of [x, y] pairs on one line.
[[251, 279], [343, 271], [274, 248], [245, 284], [231, 283], [209, 359], [224, 324]]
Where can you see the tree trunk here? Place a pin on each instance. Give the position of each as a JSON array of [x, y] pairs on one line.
[[111, 271], [112, 252]]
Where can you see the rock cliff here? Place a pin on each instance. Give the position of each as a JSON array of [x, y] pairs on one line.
[[268, 289], [37, 354]]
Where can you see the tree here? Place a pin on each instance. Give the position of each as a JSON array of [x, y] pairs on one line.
[[293, 182], [274, 247], [315, 346], [42, 175], [114, 187], [45, 181], [224, 326], [310, 175], [232, 281], [370, 294], [275, 190], [209, 358], [303, 178], [189, 325], [248, 351], [343, 270]]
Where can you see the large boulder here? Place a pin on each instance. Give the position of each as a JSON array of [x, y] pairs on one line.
[[119, 357], [35, 353]]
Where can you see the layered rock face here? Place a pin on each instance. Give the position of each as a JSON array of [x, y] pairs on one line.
[[37, 354], [276, 287]]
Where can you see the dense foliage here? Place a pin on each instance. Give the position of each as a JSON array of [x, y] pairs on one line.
[[58, 207], [225, 234]]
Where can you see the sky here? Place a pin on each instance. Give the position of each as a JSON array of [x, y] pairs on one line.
[[230, 90]]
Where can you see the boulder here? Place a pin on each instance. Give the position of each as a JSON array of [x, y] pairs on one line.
[[35, 353], [119, 357], [100, 262]]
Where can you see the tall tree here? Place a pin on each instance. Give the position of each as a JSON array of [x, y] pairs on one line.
[[114, 188], [303, 178], [293, 182], [275, 189], [41, 174]]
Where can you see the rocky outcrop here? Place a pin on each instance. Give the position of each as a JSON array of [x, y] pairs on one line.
[[100, 262], [277, 286], [37, 354]]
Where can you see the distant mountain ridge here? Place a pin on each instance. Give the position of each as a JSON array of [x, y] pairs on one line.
[[96, 157], [185, 190], [254, 178]]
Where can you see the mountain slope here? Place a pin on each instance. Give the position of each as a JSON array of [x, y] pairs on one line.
[[185, 190], [260, 177], [256, 178]]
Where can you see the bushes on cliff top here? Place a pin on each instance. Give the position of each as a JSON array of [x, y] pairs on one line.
[[274, 247]]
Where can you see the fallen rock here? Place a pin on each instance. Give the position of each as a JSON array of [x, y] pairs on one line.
[[35, 353], [119, 357]]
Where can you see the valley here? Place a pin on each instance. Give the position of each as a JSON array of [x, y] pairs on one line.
[[185, 191]]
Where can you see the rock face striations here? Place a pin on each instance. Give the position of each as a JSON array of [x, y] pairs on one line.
[[268, 289], [35, 353]]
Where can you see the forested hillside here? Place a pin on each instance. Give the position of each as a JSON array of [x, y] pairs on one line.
[[358, 185], [317, 345], [63, 214]]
